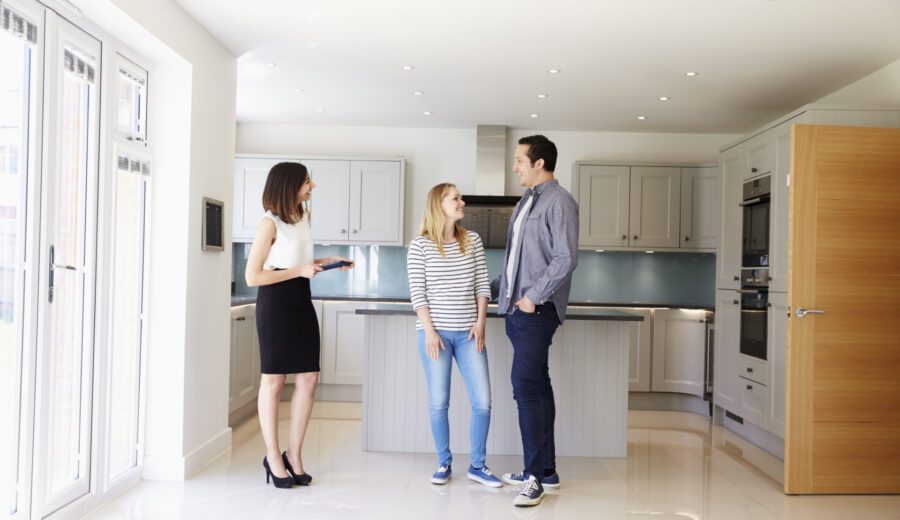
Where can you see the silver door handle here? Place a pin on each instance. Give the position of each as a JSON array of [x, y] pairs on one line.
[[60, 266], [802, 311]]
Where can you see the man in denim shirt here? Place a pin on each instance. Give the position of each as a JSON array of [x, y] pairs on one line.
[[533, 290]]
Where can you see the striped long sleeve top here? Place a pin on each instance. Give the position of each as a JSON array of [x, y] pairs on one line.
[[450, 285]]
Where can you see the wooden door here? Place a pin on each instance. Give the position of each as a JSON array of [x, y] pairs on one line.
[[843, 369]]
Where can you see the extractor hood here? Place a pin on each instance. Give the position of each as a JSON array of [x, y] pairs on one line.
[[490, 168]]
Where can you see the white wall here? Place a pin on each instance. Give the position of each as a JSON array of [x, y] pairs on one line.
[[439, 155], [881, 88], [191, 125]]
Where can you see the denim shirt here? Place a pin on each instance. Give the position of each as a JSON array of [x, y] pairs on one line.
[[547, 251]]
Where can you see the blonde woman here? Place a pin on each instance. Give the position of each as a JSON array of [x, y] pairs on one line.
[[449, 289]]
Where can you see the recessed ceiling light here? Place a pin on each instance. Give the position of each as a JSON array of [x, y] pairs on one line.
[[534, 116], [298, 90], [542, 96], [642, 117], [271, 64], [649, 252], [664, 98], [691, 74], [427, 113], [320, 110], [408, 67], [418, 93], [601, 250], [313, 45], [553, 71]]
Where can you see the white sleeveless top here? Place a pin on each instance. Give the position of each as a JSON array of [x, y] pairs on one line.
[[293, 243]]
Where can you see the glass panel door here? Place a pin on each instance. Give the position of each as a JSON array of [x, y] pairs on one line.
[[19, 56], [65, 339]]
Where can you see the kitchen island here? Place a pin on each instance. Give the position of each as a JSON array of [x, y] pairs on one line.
[[588, 368]]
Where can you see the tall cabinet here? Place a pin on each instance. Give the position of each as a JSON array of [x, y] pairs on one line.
[[751, 389]]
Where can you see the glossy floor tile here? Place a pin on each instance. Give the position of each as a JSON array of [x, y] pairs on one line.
[[678, 467]]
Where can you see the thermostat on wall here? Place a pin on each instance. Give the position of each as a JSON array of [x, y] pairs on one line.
[[213, 228]]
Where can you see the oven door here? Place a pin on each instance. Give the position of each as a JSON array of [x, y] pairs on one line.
[[754, 323]]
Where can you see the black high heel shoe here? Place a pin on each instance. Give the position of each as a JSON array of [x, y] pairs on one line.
[[302, 479], [280, 482]]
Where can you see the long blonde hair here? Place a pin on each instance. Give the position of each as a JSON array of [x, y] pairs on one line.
[[434, 219]]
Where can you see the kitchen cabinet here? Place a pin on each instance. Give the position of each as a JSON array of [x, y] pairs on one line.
[[634, 207], [728, 254], [679, 351], [655, 210], [726, 391], [760, 157], [354, 202], [639, 349], [700, 193], [343, 339], [603, 202], [245, 368], [780, 137], [779, 314], [754, 397]]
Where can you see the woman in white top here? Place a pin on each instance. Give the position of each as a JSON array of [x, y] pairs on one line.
[[281, 263], [449, 289]]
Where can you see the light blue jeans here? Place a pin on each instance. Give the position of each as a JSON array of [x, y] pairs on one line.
[[473, 366]]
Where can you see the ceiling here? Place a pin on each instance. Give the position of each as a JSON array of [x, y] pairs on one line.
[[486, 61]]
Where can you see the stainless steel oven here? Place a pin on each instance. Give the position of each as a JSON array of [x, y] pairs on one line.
[[755, 234], [755, 313]]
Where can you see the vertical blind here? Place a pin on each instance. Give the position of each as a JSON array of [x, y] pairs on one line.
[[17, 25]]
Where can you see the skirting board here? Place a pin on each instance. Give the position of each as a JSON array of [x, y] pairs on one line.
[[182, 468]]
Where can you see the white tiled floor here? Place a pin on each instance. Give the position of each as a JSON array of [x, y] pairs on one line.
[[678, 467]]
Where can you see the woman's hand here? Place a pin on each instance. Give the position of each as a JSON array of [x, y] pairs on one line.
[[308, 270], [432, 342], [477, 332]]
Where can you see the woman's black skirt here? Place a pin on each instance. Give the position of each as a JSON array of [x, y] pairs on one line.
[[288, 328]]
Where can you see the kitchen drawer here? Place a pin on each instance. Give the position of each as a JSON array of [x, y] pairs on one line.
[[754, 369], [754, 397]]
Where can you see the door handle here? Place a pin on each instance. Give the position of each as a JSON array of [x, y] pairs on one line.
[[802, 311]]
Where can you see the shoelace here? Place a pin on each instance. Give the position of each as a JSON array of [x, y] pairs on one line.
[[443, 469], [528, 487], [486, 471]]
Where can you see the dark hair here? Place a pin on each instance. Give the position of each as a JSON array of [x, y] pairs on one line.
[[280, 193], [539, 147]]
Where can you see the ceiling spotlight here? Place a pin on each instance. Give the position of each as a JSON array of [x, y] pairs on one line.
[[649, 252], [427, 113], [601, 250], [553, 71], [664, 98], [418, 93], [298, 91], [542, 96], [642, 117], [320, 110], [270, 64], [534, 116], [691, 74], [408, 67]]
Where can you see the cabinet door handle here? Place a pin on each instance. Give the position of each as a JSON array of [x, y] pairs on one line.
[[686, 239], [624, 237], [752, 170], [737, 278], [736, 302], [242, 318], [750, 387], [749, 370], [355, 231], [635, 237], [343, 231]]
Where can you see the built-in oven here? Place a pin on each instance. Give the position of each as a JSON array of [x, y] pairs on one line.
[[755, 233], [754, 313]]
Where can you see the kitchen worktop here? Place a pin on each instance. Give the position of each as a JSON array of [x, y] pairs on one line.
[[247, 300], [572, 313]]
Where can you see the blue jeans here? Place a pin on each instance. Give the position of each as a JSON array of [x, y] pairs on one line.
[[531, 335], [473, 366]]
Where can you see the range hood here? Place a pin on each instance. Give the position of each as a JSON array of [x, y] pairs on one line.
[[490, 168]]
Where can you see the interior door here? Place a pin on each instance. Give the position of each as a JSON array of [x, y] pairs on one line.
[[843, 390], [68, 259]]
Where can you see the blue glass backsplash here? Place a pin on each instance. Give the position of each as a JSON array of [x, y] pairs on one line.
[[610, 277]]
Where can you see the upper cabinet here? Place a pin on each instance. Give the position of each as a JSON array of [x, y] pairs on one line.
[[641, 207], [353, 202]]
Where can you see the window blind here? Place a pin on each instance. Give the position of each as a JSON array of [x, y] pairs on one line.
[[17, 25]]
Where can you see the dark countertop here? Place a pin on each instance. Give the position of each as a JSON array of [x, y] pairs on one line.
[[572, 313], [246, 300]]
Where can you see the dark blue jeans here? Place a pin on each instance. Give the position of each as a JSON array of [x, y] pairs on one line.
[[531, 335]]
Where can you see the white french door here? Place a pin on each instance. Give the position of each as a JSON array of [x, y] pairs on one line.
[[67, 270]]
